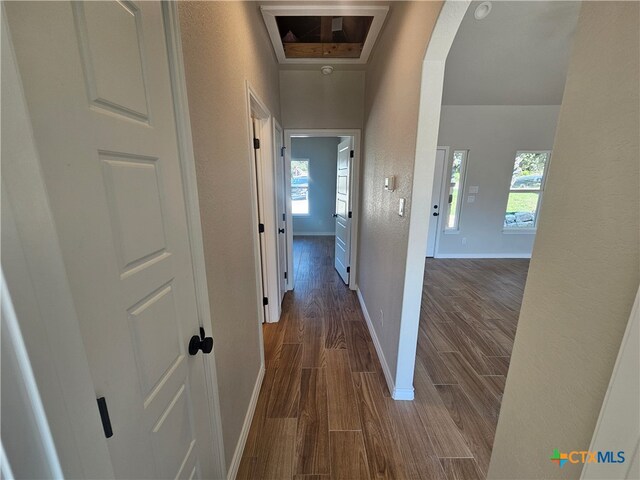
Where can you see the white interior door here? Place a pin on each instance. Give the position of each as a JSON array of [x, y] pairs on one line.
[[343, 210], [436, 196], [281, 211], [96, 80], [264, 267]]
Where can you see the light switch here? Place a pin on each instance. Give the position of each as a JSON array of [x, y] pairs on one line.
[[473, 189], [471, 198], [401, 207], [389, 183]]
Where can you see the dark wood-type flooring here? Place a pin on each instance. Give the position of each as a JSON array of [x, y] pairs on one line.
[[324, 410]]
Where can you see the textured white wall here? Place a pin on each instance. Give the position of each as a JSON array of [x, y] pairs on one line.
[[224, 45], [313, 100], [493, 135], [392, 96], [322, 153], [585, 267]]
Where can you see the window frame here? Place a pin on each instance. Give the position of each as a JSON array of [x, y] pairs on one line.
[[540, 192], [447, 184], [308, 191]]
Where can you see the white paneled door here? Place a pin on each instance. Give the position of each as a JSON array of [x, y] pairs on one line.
[[343, 210], [96, 80]]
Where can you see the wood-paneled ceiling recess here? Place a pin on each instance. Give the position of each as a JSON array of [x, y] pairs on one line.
[[315, 34]]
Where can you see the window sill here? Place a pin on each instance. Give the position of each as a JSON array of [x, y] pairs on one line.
[[517, 231], [452, 231], [300, 214]]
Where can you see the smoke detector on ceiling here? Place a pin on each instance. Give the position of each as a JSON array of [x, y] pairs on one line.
[[326, 70], [482, 11]]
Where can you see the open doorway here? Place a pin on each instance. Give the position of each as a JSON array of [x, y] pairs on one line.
[[322, 188], [489, 154]]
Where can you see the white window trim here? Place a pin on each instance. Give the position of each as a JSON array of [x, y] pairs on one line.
[[308, 214], [463, 178], [529, 231]]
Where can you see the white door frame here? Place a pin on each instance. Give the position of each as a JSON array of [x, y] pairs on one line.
[[194, 225], [431, 85], [282, 281], [263, 179], [355, 194], [79, 447]]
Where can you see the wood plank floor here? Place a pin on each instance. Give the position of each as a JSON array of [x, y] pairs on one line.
[[324, 409]]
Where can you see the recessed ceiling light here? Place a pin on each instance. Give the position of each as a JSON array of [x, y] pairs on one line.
[[326, 70], [482, 10]]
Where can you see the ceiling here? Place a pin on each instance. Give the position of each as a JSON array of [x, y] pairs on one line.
[[517, 55]]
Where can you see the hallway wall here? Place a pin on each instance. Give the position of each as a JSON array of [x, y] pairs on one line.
[[392, 92], [224, 45], [322, 153], [584, 270], [313, 100]]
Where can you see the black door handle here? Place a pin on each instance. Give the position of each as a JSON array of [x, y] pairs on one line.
[[335, 215], [200, 343], [435, 214], [281, 230]]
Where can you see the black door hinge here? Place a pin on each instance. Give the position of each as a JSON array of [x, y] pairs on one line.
[[256, 143], [104, 416], [282, 149], [350, 214], [284, 217], [261, 228], [285, 275], [348, 269], [351, 154], [265, 301]]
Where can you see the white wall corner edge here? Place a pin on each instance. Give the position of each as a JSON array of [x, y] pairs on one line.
[[396, 393], [244, 433]]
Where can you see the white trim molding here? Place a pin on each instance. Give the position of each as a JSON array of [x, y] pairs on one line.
[[483, 255], [262, 167], [246, 426], [192, 204], [396, 393]]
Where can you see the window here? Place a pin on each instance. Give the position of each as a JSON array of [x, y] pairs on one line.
[[525, 192], [300, 187], [456, 180]]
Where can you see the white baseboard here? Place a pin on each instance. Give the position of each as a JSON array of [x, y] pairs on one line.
[[244, 433], [403, 394], [314, 234], [396, 394], [483, 255]]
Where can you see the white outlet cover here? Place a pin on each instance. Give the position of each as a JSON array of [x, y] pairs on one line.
[[401, 207], [474, 189]]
